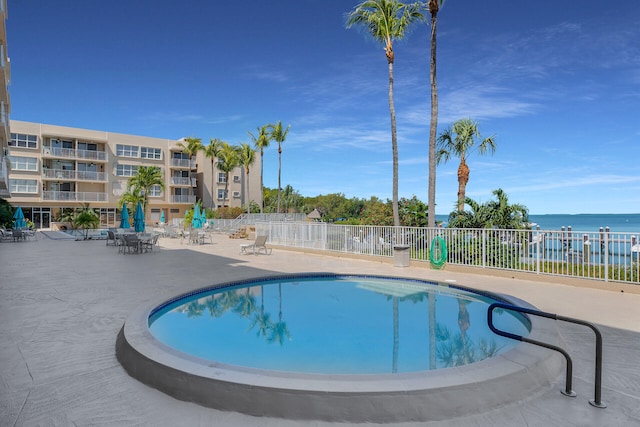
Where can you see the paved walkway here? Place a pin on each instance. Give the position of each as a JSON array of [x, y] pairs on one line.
[[63, 302]]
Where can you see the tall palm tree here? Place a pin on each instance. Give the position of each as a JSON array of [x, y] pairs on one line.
[[434, 8], [261, 141], [212, 151], [228, 160], [247, 156], [386, 21], [140, 185], [279, 134], [459, 140]]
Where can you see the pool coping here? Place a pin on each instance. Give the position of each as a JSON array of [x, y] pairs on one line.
[[516, 375]]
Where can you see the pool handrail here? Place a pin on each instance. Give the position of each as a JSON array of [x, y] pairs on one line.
[[596, 402]]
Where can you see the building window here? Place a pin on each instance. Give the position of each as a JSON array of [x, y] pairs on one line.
[[222, 177], [126, 170], [88, 146], [221, 194], [180, 156], [126, 150], [150, 153], [236, 178], [23, 140], [24, 164], [155, 191], [23, 186]]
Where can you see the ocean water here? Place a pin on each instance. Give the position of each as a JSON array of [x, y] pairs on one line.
[[619, 223]]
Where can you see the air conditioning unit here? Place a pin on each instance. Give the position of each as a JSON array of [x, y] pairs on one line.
[[236, 178], [236, 194]]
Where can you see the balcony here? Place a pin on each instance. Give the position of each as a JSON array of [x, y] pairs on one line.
[[70, 153], [183, 199], [182, 163], [67, 175], [73, 196], [190, 182]]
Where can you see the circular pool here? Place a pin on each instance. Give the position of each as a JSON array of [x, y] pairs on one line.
[[335, 347]]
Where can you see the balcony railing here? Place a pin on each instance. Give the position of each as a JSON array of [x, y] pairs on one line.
[[70, 153], [183, 163], [191, 182], [183, 199], [74, 175], [74, 196]]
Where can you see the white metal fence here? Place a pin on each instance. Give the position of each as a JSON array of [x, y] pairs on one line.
[[602, 255]]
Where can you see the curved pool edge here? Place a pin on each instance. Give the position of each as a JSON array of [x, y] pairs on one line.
[[426, 396]]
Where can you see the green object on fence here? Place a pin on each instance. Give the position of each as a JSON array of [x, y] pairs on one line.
[[440, 246]]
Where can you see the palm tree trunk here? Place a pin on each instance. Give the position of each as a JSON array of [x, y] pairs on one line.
[[394, 149], [212, 187], [279, 170], [431, 208], [261, 180], [463, 179]]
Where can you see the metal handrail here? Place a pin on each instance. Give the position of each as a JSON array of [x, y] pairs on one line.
[[597, 402]]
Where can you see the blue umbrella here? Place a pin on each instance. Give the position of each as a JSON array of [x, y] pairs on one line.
[[19, 219], [196, 222], [138, 219], [124, 217], [162, 221]]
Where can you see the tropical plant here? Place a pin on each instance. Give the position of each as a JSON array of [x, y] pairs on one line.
[[459, 140], [6, 213], [261, 141], [434, 8], [212, 151], [190, 146], [279, 134], [386, 21], [139, 186], [494, 213], [247, 156], [86, 219], [228, 160]]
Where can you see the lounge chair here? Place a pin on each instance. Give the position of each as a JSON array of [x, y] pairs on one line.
[[258, 245]]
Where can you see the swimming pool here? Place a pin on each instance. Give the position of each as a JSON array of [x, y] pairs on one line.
[[336, 325], [411, 357]]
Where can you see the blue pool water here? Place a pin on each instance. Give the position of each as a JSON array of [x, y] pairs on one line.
[[336, 325]]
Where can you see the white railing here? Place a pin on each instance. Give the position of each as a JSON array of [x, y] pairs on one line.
[[183, 199], [74, 196], [70, 153], [183, 181], [183, 163], [601, 255], [74, 175]]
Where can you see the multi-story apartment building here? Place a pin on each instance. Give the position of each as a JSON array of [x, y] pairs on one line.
[[5, 77], [56, 167]]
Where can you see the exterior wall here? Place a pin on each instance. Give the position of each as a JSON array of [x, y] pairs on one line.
[[72, 167], [237, 189], [5, 104]]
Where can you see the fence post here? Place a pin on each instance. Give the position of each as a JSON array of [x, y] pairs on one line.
[[606, 254]]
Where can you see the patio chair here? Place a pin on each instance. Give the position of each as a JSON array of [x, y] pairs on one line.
[[149, 243], [6, 234], [258, 245], [130, 242], [111, 238]]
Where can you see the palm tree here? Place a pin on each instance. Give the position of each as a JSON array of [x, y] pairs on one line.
[[228, 160], [386, 21], [212, 151], [434, 8], [279, 134], [247, 156], [459, 140], [261, 141], [505, 215], [141, 183], [86, 219]]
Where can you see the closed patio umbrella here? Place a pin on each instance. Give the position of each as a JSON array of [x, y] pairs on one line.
[[124, 217], [18, 217], [196, 221], [162, 220], [138, 219]]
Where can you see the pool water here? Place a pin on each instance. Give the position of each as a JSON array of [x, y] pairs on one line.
[[336, 325]]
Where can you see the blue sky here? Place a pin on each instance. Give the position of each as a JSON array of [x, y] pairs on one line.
[[557, 83]]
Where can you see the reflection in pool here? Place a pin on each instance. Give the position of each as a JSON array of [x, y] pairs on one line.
[[336, 325]]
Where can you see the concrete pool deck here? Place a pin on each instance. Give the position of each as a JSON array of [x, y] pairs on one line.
[[62, 304]]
